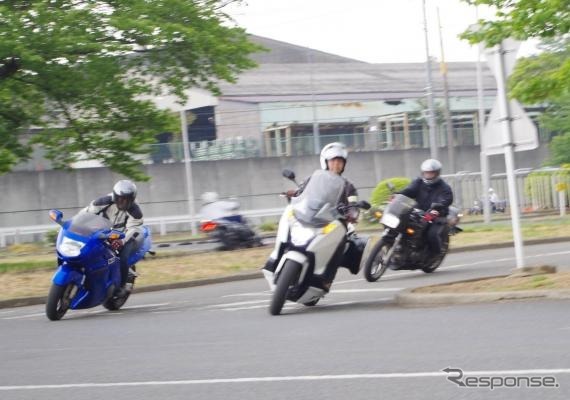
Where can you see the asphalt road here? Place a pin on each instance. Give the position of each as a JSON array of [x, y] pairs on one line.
[[219, 342]]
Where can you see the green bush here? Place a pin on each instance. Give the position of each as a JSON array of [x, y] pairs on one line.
[[269, 226], [381, 193], [51, 236]]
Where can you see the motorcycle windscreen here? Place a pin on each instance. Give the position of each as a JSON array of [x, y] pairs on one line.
[[316, 206], [398, 207], [85, 224]]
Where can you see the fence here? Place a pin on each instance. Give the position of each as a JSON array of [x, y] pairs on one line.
[[537, 189], [182, 222]]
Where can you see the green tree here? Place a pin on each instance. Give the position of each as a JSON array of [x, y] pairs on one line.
[[546, 76], [81, 70], [543, 78]]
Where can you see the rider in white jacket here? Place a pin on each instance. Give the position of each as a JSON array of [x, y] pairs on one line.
[[120, 208]]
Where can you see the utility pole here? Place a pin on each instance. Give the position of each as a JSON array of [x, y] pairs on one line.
[[509, 146], [316, 135], [188, 171], [483, 157], [429, 92], [447, 114]]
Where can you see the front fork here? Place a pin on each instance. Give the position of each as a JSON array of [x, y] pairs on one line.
[[395, 244]]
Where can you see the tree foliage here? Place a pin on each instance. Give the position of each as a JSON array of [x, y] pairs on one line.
[[81, 70], [539, 78]]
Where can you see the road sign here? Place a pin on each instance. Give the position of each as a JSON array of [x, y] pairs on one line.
[[524, 132]]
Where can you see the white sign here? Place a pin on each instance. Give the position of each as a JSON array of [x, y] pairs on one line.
[[524, 132]]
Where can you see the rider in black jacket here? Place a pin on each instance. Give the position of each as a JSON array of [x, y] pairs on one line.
[[434, 196]]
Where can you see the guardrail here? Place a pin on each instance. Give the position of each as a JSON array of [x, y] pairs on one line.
[[19, 232]]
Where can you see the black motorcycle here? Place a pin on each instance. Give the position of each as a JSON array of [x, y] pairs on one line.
[[403, 245]]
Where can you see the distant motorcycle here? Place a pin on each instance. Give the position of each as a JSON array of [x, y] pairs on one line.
[[403, 245], [223, 222], [88, 270]]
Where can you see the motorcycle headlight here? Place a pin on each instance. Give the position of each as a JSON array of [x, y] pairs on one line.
[[301, 235], [70, 248], [391, 221]]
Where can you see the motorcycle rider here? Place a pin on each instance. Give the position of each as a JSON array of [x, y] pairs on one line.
[[120, 208], [213, 208], [333, 158], [433, 195]]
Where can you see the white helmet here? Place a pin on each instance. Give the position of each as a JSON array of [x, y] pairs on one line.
[[209, 197], [431, 165], [333, 150]]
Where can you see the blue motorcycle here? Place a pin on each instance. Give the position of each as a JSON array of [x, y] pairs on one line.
[[88, 272]]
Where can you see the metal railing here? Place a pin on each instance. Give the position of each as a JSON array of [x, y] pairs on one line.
[[25, 233]]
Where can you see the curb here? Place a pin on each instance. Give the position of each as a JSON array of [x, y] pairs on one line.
[[408, 298], [411, 298], [503, 245]]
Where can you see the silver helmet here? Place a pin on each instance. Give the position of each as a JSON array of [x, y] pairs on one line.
[[431, 165], [124, 194]]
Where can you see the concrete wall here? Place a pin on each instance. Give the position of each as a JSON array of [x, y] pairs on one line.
[[26, 195], [236, 118]]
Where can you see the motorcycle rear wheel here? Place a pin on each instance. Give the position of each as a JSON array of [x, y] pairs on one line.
[[375, 265], [115, 303], [58, 301], [438, 260], [287, 278]]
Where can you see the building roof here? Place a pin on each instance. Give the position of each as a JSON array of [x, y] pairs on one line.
[[285, 74]]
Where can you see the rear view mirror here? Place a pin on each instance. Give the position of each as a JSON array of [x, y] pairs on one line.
[[56, 216], [287, 173], [364, 205]]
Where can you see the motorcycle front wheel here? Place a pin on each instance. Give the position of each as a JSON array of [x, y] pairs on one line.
[[58, 301], [287, 278], [376, 263]]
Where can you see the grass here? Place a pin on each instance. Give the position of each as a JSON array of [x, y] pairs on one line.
[[559, 280], [169, 268], [26, 269]]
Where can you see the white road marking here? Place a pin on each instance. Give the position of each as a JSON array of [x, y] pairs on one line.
[[240, 303], [145, 306], [265, 379], [254, 294], [25, 316], [364, 290]]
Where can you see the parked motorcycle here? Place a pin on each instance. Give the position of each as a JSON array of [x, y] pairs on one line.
[[88, 270], [403, 245], [311, 243], [223, 222]]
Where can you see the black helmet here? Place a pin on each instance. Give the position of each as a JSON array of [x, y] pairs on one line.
[[124, 194]]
